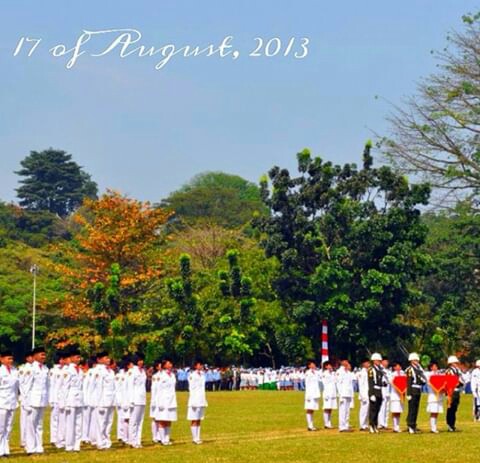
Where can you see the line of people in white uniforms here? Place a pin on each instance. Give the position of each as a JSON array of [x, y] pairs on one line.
[[83, 401], [338, 391]]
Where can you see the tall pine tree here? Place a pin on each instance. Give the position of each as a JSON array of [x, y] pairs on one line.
[[51, 181]]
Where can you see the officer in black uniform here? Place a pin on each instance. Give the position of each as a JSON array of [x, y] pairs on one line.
[[454, 401], [376, 379], [416, 379]]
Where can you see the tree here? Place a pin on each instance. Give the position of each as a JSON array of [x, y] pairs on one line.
[[446, 317], [16, 259], [207, 243], [348, 243], [35, 228], [216, 197], [114, 259], [195, 312], [238, 319], [52, 182], [189, 316], [437, 135]]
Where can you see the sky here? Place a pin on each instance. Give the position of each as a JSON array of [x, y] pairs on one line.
[[146, 132]]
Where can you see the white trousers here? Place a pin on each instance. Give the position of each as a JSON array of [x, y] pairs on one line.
[[122, 425], [34, 430], [135, 425], [6, 421], [344, 413], [53, 423], [23, 426], [363, 414], [383, 413], [60, 434], [104, 420], [73, 428], [92, 429], [86, 422], [155, 432]]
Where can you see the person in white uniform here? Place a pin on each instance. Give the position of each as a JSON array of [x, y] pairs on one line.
[[103, 398], [197, 400], [122, 402], [154, 396], [329, 394], [363, 397], [58, 393], [54, 374], [345, 380], [136, 393], [9, 388], [166, 402], [22, 375], [71, 401], [89, 422], [36, 400], [475, 386], [386, 391], [312, 393], [434, 400], [396, 399]]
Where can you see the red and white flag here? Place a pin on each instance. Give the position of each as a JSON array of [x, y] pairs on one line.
[[324, 341]]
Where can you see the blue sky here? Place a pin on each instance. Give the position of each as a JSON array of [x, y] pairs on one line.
[[146, 132]]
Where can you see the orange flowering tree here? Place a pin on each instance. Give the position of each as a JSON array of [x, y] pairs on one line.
[[113, 260]]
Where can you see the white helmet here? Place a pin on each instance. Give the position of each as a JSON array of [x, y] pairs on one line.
[[452, 359], [477, 363], [376, 356], [413, 356]]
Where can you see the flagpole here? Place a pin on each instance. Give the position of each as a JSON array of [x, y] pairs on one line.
[[325, 356]]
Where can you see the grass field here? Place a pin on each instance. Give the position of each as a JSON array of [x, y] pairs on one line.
[[269, 426]]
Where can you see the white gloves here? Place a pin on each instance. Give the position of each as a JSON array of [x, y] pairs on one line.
[[373, 398]]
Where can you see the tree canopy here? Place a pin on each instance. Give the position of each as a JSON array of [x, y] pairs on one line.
[[435, 135], [348, 243], [52, 181], [225, 199]]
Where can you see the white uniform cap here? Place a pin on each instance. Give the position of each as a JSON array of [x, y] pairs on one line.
[[477, 363], [413, 356], [376, 356], [452, 359]]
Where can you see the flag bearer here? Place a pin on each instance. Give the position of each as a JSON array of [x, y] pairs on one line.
[[454, 401], [415, 381], [375, 383]]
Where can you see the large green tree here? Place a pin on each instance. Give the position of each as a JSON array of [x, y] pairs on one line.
[[220, 198], [348, 242], [446, 317], [52, 181]]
